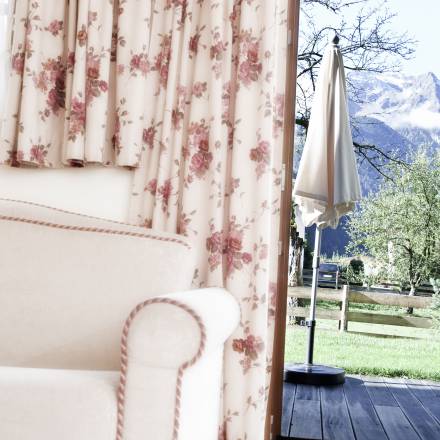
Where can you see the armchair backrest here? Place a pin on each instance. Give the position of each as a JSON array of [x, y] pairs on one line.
[[68, 282]]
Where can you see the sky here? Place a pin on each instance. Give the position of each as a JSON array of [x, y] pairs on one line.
[[421, 19]]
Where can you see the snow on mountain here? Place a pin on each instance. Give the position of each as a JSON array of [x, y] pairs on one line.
[[410, 105], [394, 112]]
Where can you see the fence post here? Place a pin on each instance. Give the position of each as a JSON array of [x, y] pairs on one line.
[[343, 325]]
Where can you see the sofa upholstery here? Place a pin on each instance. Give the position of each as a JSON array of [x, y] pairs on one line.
[[64, 404], [102, 336]]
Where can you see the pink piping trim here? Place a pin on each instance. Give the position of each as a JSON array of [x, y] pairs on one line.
[[116, 222], [93, 229], [65, 211], [181, 370]]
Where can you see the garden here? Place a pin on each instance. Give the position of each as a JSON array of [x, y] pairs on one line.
[[394, 250]]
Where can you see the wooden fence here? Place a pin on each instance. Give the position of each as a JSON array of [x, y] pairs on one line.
[[345, 296], [425, 289]]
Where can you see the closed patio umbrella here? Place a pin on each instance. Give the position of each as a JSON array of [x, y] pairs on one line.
[[326, 187]]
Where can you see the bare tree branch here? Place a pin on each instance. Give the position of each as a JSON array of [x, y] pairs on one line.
[[333, 5]]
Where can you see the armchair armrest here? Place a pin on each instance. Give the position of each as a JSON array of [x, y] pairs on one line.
[[163, 337]]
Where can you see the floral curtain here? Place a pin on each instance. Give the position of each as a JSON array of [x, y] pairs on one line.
[[77, 89], [191, 94], [4, 21], [210, 169]]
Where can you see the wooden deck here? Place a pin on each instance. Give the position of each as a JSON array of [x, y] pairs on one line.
[[363, 408]]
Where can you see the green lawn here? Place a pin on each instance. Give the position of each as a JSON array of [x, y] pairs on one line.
[[417, 355]]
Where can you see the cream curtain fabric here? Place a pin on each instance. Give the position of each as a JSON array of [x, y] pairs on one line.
[[210, 169], [191, 93], [4, 64], [77, 89]]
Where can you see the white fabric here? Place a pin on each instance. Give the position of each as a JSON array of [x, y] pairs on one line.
[[54, 278], [327, 184], [153, 365], [40, 404], [65, 295], [98, 191]]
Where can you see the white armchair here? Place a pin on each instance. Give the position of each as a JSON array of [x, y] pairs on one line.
[[101, 336]]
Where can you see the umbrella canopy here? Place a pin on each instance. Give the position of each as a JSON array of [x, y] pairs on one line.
[[327, 183]]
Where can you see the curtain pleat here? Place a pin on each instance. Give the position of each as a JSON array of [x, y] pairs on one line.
[[77, 86]]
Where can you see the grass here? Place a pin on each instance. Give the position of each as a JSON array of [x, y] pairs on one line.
[[415, 353]]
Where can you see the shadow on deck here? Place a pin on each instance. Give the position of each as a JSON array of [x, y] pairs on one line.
[[364, 408]]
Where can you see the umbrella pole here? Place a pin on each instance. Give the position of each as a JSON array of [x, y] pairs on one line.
[[311, 322], [308, 373]]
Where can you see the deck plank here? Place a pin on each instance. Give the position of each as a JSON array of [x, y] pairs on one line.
[[306, 420], [379, 393], [289, 390], [307, 392], [336, 423], [427, 397], [425, 425], [364, 408], [395, 423], [435, 387], [364, 419]]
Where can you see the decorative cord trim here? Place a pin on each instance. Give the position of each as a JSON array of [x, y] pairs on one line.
[[181, 370], [65, 211], [94, 229]]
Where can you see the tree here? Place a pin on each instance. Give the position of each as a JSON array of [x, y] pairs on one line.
[[367, 44], [296, 250], [400, 225]]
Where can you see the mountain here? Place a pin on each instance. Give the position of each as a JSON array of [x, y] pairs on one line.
[[399, 113]]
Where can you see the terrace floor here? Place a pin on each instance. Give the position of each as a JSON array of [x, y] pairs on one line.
[[364, 408]]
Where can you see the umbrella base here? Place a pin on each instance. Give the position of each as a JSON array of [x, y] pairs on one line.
[[313, 374]]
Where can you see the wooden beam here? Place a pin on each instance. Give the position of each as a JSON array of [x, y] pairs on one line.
[[369, 318], [390, 299], [323, 294], [355, 296], [320, 313], [403, 321], [274, 410]]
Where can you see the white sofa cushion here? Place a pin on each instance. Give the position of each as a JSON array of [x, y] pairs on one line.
[[68, 282], [37, 404], [168, 388]]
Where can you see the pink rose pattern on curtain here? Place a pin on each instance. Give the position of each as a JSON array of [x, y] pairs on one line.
[[77, 87], [210, 169]]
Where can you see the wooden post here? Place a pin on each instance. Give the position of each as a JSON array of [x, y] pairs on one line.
[[343, 323], [274, 410]]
